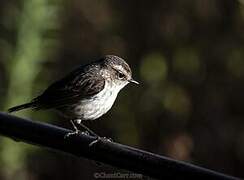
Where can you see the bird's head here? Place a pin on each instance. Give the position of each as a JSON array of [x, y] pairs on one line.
[[118, 70]]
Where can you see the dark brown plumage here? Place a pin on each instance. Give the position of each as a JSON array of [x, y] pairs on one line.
[[86, 93], [82, 83]]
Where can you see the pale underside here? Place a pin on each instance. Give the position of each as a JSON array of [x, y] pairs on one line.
[[95, 106]]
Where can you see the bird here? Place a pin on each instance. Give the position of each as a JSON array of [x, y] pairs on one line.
[[86, 93]]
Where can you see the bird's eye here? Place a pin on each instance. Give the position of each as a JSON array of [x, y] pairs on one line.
[[121, 75]]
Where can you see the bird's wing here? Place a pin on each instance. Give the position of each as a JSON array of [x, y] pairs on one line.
[[71, 89]]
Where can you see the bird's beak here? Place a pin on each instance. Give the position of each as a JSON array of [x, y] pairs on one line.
[[133, 81]]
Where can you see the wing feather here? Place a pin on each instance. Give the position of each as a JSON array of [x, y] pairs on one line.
[[79, 84]]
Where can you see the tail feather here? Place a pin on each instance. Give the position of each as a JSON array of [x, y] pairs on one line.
[[22, 106]]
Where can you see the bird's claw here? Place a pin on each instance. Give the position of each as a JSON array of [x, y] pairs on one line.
[[108, 139], [100, 139], [76, 132], [85, 133], [71, 134]]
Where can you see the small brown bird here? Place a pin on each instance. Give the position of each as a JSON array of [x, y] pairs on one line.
[[86, 93]]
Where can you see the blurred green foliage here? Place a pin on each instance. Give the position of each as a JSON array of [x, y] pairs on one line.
[[177, 101], [26, 61], [187, 55], [153, 68], [235, 63], [187, 62]]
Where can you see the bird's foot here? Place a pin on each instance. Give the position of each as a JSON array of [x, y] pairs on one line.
[[76, 132], [85, 133], [98, 138]]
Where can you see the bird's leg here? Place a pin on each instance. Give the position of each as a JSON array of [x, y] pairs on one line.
[[78, 121], [98, 138], [75, 132]]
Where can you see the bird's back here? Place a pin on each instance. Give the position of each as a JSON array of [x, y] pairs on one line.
[[83, 82]]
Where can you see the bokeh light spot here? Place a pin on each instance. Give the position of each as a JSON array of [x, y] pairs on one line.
[[179, 146], [177, 101], [186, 61], [154, 68], [235, 63]]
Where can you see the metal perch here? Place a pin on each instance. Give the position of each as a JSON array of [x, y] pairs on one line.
[[111, 153]]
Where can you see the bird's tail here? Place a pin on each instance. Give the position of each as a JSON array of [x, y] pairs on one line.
[[22, 106]]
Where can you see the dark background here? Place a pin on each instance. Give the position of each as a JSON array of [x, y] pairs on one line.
[[187, 54]]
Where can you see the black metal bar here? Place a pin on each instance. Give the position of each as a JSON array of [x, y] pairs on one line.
[[115, 154]]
